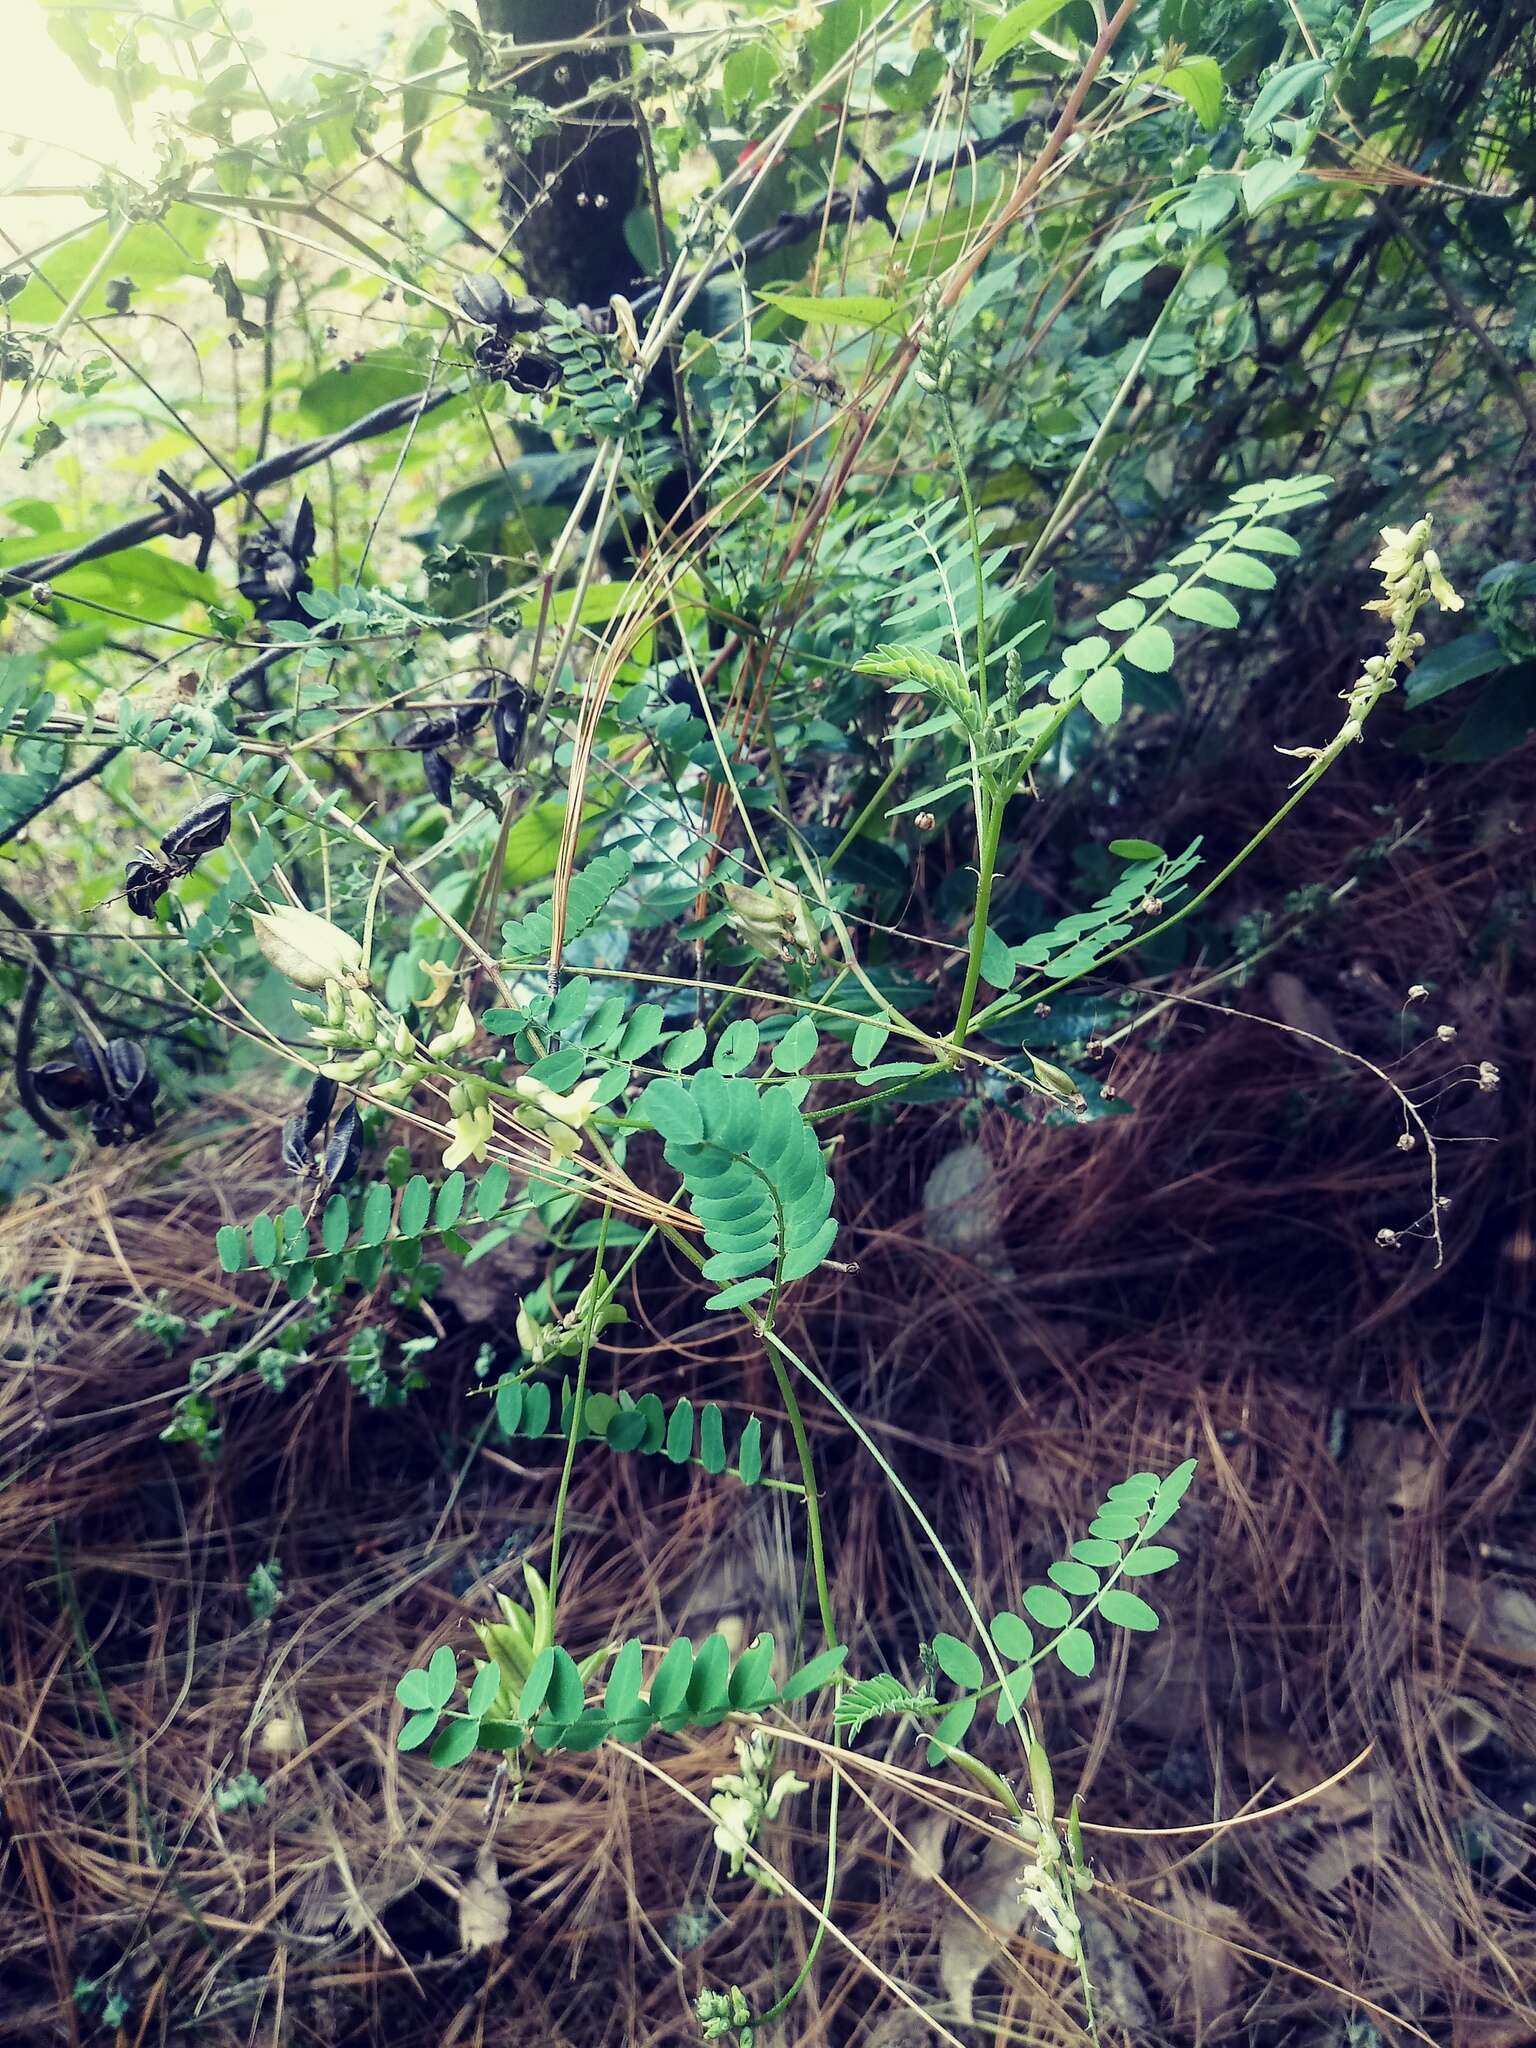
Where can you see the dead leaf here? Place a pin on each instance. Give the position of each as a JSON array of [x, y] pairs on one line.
[[1209, 1968], [1118, 1991], [485, 1911]]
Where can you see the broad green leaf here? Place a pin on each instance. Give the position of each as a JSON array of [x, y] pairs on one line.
[[868, 1043], [1123, 616], [623, 1689], [796, 1048], [856, 309], [415, 1691], [749, 1455], [1050, 1608], [1151, 648], [1124, 276], [454, 1744], [1073, 1577], [1075, 1649], [953, 1728], [482, 1694], [737, 1047], [1151, 1557], [669, 1685], [565, 1699], [415, 1731], [1127, 1610], [1240, 570], [679, 1445], [1013, 1636], [957, 1660], [1135, 849], [997, 963], [1103, 694], [231, 1244], [442, 1675], [378, 1208], [415, 1205], [820, 1671], [1388, 17], [1016, 27], [1268, 180], [336, 1223], [1197, 81], [264, 1240], [1205, 607]]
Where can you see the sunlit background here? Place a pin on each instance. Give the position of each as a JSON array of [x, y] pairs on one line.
[[56, 127]]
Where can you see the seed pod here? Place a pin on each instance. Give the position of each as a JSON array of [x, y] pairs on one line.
[[483, 298], [147, 880], [107, 1123], [439, 776], [528, 370], [128, 1070], [509, 722], [317, 1108], [295, 1146], [63, 1084], [199, 832], [88, 1059], [345, 1149], [432, 732], [472, 711]]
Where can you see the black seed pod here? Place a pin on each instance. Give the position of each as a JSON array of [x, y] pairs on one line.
[[432, 732], [295, 1147], [63, 1084], [471, 712], [509, 722], [488, 303], [528, 370], [439, 776], [88, 1059], [345, 1149], [199, 832], [127, 1069], [147, 881], [317, 1107]]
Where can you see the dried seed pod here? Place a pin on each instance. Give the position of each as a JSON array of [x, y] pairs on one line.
[[64, 1084], [199, 832], [295, 1146], [107, 1123], [147, 880], [486, 301], [127, 1069], [472, 711], [439, 776], [509, 721], [88, 1059], [432, 732], [317, 1107], [345, 1149], [529, 370], [273, 572]]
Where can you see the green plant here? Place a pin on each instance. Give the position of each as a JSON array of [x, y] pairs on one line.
[[624, 782]]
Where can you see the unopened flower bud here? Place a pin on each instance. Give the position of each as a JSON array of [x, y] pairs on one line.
[[309, 950], [459, 1036]]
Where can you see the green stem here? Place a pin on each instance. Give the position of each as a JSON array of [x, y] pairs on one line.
[[588, 1331], [952, 433], [992, 832]]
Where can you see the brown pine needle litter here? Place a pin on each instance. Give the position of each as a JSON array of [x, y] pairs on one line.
[[1309, 1798]]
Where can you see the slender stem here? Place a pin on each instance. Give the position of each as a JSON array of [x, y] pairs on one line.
[[992, 832], [952, 433], [588, 1331]]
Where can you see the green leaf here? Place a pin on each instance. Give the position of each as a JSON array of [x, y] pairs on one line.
[[491, 1192], [796, 1048], [1013, 1637], [1050, 1608], [1240, 570], [737, 1047], [336, 1223], [378, 1209], [536, 1685], [622, 1694], [750, 1682], [442, 1675], [1443, 668], [1197, 81], [820, 1671], [1266, 181], [669, 1686], [749, 1454], [1122, 617], [853, 309], [868, 1043], [414, 1732], [1074, 1578], [449, 1205], [566, 1697], [336, 398], [482, 1694], [997, 965], [1123, 276], [1075, 1649], [454, 1744], [679, 1445], [1097, 1550], [1127, 1610], [1151, 649], [957, 1660], [712, 1439], [1150, 1558], [1204, 607], [1135, 849], [264, 1240], [683, 1050], [953, 1728], [709, 1684], [1116, 1527], [416, 1692], [1269, 540], [1016, 27], [230, 1243], [1103, 694]]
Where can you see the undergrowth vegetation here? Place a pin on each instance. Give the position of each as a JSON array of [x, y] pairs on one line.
[[601, 613]]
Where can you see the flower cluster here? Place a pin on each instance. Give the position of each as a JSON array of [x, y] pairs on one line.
[[745, 1800], [935, 370], [774, 920], [724, 2012], [1411, 576]]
